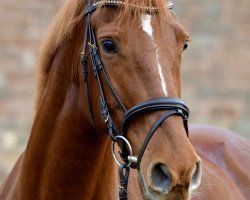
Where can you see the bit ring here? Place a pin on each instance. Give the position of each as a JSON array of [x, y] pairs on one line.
[[121, 138]]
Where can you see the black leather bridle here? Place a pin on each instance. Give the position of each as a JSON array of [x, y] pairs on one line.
[[172, 105]]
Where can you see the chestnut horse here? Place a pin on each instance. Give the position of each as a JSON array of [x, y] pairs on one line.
[[130, 54]]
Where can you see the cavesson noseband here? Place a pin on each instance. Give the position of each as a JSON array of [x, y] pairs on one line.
[[172, 105]]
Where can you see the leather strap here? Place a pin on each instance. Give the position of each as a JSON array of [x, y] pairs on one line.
[[123, 174], [162, 103], [174, 106], [84, 62], [151, 133]]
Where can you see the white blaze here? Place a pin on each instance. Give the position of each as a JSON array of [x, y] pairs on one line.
[[146, 24], [147, 27]]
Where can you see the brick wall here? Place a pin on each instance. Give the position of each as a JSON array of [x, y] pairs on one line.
[[23, 24]]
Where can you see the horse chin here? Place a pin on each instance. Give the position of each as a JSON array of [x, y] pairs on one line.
[[174, 194]]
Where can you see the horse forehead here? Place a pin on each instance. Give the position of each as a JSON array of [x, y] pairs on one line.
[[103, 16], [109, 17], [105, 20]]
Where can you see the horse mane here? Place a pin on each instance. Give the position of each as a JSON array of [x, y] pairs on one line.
[[63, 26]]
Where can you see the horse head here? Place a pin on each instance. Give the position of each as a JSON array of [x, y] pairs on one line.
[[131, 61]]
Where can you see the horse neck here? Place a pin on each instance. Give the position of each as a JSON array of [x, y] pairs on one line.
[[65, 158], [71, 166]]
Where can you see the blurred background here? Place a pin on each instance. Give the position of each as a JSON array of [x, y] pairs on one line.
[[215, 69]]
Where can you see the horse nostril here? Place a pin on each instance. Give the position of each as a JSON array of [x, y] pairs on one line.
[[161, 178], [196, 177]]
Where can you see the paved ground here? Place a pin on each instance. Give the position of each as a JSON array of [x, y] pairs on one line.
[[216, 71]]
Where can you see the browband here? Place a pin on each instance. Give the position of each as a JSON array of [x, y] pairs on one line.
[[97, 4]]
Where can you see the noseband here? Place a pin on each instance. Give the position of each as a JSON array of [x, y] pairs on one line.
[[172, 106]]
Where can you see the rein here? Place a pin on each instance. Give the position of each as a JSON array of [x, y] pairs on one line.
[[172, 106]]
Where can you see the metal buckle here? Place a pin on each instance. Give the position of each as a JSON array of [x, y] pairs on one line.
[[130, 158]]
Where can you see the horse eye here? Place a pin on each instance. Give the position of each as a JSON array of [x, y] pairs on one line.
[[109, 46], [185, 46]]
